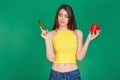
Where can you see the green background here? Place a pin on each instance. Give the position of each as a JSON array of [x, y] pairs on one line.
[[22, 49]]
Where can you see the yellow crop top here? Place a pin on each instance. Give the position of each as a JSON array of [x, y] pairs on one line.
[[65, 46]]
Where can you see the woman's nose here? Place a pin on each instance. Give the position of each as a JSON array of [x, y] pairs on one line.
[[63, 17]]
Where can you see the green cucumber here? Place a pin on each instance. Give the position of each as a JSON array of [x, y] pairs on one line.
[[41, 24]]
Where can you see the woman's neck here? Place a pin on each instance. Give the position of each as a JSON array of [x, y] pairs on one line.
[[63, 28]]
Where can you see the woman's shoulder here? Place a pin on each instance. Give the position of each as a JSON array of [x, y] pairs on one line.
[[52, 33], [78, 32]]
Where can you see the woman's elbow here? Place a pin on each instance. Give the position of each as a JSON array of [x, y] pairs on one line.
[[80, 58], [50, 58]]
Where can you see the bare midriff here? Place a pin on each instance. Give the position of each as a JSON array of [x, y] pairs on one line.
[[64, 67]]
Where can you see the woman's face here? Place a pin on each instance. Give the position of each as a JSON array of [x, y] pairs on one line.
[[63, 18]]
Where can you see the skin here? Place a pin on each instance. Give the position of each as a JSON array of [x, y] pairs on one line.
[[81, 50]]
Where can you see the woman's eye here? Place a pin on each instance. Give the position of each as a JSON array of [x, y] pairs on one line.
[[60, 15], [66, 16]]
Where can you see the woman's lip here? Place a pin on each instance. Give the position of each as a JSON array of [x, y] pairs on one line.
[[62, 22]]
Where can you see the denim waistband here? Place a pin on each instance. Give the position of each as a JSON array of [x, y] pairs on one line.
[[66, 73]]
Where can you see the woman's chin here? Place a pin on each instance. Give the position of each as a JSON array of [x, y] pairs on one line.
[[62, 25]]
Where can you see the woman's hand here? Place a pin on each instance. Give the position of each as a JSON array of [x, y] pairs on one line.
[[44, 34], [92, 36]]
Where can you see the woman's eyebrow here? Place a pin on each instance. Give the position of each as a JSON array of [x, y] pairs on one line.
[[60, 13]]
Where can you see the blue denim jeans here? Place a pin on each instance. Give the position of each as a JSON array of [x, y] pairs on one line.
[[71, 75]]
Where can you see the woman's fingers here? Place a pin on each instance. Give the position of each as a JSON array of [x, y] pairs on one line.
[[44, 33], [97, 33], [93, 35], [43, 29]]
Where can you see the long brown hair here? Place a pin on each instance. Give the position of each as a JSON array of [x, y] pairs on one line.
[[71, 22]]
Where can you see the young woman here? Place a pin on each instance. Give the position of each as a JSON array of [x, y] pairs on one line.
[[64, 45]]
